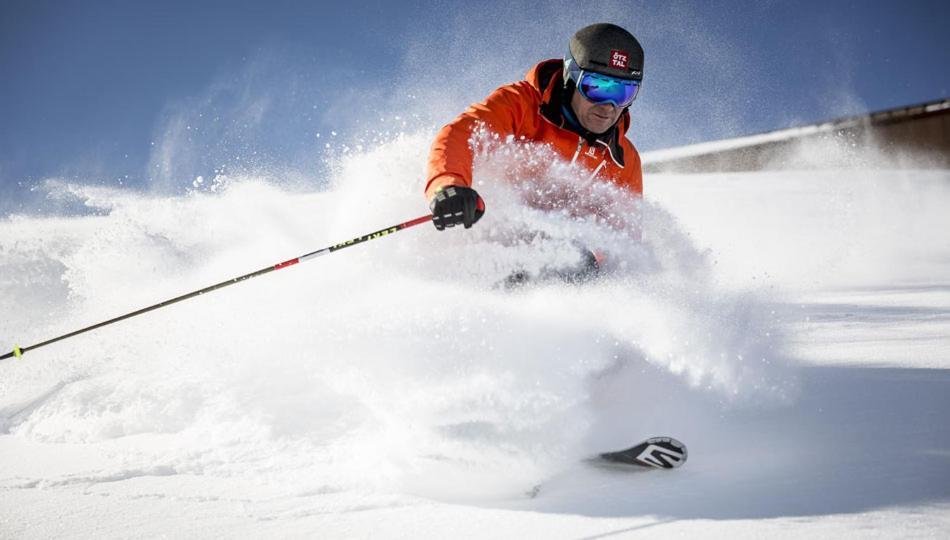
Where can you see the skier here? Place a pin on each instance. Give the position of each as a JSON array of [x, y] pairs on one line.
[[577, 106]]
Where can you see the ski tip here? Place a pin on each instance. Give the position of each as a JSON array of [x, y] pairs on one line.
[[655, 452]]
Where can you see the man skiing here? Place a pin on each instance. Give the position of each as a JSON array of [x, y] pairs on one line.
[[577, 106]]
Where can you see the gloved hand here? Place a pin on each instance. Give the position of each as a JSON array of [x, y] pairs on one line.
[[456, 204]]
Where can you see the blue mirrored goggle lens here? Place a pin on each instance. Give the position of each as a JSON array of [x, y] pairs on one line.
[[603, 89]]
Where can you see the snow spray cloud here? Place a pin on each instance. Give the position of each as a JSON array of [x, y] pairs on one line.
[[311, 375]]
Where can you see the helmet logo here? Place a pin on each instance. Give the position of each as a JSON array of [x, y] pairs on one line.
[[619, 59]]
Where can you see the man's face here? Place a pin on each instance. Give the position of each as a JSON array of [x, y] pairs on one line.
[[593, 117]]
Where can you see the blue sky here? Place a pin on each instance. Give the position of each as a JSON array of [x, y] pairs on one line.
[[152, 94]]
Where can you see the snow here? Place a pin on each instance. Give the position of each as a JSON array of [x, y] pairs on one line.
[[793, 328]]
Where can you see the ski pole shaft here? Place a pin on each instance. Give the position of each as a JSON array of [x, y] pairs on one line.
[[19, 351]]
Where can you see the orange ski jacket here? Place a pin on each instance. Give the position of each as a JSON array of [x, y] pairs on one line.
[[531, 109]]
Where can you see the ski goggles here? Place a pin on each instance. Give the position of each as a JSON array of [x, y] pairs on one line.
[[600, 89]]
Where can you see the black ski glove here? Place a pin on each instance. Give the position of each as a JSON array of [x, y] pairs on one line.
[[456, 204]]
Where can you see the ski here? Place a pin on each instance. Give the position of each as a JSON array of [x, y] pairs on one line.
[[656, 453], [653, 453]]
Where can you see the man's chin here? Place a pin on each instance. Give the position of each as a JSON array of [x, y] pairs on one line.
[[599, 128]]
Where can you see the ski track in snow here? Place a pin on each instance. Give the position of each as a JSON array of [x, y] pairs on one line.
[[793, 328]]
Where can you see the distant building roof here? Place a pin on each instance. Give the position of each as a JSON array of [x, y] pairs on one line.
[[922, 130]]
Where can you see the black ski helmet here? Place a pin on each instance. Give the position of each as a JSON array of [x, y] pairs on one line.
[[607, 49]]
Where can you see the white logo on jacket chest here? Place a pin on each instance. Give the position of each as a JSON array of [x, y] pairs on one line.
[[591, 152]]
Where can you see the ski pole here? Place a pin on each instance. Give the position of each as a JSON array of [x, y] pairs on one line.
[[18, 351]]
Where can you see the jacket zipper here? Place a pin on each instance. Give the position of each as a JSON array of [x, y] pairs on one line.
[[597, 170], [580, 144]]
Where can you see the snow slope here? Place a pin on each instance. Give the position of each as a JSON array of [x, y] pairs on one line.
[[793, 328]]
